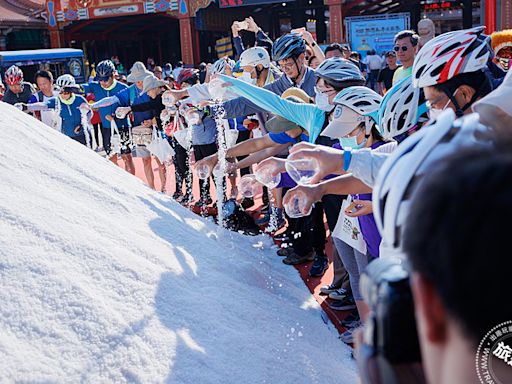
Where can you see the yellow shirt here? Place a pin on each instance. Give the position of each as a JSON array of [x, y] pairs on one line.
[[401, 74]]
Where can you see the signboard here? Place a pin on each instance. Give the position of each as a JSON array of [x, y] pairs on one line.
[[243, 3], [375, 32], [71, 10]]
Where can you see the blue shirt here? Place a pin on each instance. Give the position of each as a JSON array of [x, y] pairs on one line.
[[205, 133], [100, 93], [284, 138], [70, 115], [134, 96]]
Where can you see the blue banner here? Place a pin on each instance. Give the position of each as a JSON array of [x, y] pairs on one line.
[[375, 32]]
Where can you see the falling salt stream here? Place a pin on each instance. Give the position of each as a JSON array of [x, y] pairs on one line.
[[86, 124], [220, 170], [190, 150], [217, 92]]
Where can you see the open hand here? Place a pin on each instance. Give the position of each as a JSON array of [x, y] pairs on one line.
[[330, 160], [312, 193]]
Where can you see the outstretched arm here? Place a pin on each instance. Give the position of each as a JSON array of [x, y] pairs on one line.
[[301, 114], [261, 155]]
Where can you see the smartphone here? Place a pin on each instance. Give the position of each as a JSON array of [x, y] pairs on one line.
[[243, 25]]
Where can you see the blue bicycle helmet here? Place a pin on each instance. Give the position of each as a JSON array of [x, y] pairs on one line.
[[105, 69], [289, 45], [401, 109], [340, 73]]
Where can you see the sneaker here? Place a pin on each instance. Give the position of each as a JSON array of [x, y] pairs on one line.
[[326, 289], [348, 336], [186, 200], [177, 196], [350, 320], [320, 265], [338, 294], [295, 259], [202, 202], [352, 324], [285, 251], [247, 202], [343, 305]]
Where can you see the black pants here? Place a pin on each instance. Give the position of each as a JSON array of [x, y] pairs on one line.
[[306, 232], [200, 152], [243, 136], [97, 129], [80, 139], [182, 167], [105, 134]]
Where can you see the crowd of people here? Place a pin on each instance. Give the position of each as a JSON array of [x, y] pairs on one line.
[[360, 134]]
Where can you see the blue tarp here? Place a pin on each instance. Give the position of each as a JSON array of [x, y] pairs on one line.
[[39, 55]]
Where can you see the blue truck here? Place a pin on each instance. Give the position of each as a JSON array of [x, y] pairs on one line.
[[59, 61]]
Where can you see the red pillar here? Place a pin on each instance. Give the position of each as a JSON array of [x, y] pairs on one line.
[[490, 16], [186, 37], [506, 14], [335, 20], [56, 38]]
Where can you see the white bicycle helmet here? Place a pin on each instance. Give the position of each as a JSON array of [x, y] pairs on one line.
[[65, 81], [401, 108], [340, 73], [403, 170], [353, 105], [219, 67], [449, 55], [255, 56]]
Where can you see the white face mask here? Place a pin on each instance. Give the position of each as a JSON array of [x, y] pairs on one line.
[[246, 76], [433, 113], [322, 102]]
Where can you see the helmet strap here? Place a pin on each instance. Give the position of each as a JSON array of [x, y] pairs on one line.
[[459, 111], [368, 125], [299, 72], [258, 71]]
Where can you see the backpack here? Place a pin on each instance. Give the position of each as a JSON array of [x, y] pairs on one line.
[[237, 220]]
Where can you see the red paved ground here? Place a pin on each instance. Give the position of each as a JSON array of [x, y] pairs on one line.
[[313, 284]]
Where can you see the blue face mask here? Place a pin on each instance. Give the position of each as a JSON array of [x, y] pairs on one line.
[[351, 142]]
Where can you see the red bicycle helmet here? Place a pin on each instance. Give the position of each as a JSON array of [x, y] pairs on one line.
[[13, 75], [187, 75]]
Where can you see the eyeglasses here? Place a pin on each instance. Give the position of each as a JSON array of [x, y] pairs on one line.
[[287, 67], [327, 92], [397, 48]]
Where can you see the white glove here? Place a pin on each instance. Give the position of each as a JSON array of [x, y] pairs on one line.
[[84, 107], [121, 112], [21, 106]]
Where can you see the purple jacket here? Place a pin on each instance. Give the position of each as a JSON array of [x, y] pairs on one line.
[[367, 222]]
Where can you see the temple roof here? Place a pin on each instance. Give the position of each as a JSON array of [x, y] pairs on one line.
[[22, 13]]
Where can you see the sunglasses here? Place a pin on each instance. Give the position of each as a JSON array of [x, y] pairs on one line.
[[397, 48]]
